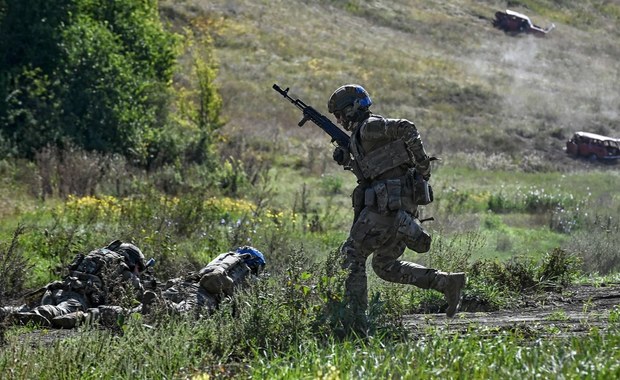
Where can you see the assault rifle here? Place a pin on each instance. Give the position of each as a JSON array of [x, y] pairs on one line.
[[337, 134]]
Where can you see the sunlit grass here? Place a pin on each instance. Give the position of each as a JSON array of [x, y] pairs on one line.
[[169, 353]]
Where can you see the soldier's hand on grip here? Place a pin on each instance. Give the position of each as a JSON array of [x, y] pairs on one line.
[[341, 155]]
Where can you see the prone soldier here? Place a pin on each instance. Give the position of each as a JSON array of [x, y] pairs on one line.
[[87, 288], [201, 293]]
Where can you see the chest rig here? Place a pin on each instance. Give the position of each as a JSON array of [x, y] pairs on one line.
[[381, 159], [385, 188]]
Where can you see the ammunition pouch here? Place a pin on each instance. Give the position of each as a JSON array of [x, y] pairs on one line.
[[88, 285], [385, 196], [85, 282], [421, 192], [406, 192]]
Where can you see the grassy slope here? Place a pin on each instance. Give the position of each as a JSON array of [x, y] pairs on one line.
[[467, 85], [480, 98]]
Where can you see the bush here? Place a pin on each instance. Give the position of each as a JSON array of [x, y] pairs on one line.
[[94, 73], [597, 244], [558, 269], [496, 283], [14, 267]]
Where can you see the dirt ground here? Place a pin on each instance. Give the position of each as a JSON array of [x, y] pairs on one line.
[[573, 312]]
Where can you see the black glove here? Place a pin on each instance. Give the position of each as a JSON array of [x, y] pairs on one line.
[[341, 155]]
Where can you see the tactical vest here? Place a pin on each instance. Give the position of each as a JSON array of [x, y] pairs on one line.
[[373, 164], [88, 273], [392, 194]]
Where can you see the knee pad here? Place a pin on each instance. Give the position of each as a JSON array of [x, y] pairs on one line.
[[411, 232]]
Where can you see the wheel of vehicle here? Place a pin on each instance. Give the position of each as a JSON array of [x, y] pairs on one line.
[[592, 157]]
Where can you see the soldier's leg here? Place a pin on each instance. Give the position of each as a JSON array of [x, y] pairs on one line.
[[26, 317], [356, 282], [386, 264], [369, 231], [44, 314], [67, 314], [10, 312]]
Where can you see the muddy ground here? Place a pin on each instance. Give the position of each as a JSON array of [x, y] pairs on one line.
[[574, 311]]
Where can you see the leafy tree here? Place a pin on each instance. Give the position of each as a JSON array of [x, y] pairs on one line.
[[200, 103], [95, 73], [29, 54]]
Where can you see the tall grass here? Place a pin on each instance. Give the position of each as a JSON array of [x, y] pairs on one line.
[[295, 307], [180, 349]]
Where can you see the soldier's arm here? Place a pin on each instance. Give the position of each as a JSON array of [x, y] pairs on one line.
[[403, 129], [131, 278]]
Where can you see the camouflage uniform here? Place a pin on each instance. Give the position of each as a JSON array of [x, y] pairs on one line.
[[203, 291], [90, 281], [389, 160]]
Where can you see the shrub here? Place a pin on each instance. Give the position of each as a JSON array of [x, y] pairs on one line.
[[597, 244], [558, 268], [105, 67], [496, 283], [14, 267]]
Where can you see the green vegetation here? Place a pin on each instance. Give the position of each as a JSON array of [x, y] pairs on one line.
[[98, 75], [189, 350], [155, 122]]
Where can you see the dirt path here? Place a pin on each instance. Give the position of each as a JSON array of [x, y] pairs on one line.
[[577, 310]]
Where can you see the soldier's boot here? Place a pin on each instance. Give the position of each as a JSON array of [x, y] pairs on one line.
[[31, 316], [70, 320], [451, 285]]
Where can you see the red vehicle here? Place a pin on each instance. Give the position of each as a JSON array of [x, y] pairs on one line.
[[514, 22], [593, 146]]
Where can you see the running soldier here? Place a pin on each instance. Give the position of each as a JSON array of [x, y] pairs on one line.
[[392, 167]]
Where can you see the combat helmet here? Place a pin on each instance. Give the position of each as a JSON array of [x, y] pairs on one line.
[[133, 255], [255, 259], [349, 103]]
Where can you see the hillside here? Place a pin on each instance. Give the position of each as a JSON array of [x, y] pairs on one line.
[[469, 87]]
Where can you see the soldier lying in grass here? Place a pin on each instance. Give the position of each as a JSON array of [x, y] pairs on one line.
[[202, 292], [93, 281]]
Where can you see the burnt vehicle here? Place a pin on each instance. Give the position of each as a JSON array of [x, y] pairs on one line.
[[513, 23], [593, 146]]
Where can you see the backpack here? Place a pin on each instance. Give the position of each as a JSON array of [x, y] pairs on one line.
[[225, 273], [95, 261], [88, 274]]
